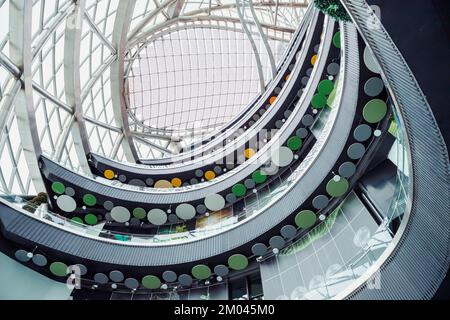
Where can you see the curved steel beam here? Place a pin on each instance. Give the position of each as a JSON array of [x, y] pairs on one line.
[[119, 39], [264, 39], [20, 22], [72, 45], [253, 44]]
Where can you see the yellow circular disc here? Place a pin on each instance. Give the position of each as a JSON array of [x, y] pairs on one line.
[[109, 174], [163, 184], [314, 59], [249, 153], [272, 100], [209, 175], [287, 77], [176, 182]]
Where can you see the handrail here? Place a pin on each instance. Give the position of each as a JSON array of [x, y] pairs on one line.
[[417, 260]]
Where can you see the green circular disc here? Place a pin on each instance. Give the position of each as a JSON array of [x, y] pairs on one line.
[[201, 272], [77, 220], [89, 200], [337, 188], [58, 269], [91, 219], [319, 101], [294, 143], [151, 282], [325, 87], [375, 110], [58, 187], [239, 190], [238, 262], [305, 219], [337, 40], [139, 213], [259, 176]]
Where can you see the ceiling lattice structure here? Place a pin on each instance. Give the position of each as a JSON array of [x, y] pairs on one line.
[[115, 78]]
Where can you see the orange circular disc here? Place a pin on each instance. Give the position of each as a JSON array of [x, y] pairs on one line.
[[272, 100], [109, 174], [314, 59], [209, 175], [176, 182], [248, 153]]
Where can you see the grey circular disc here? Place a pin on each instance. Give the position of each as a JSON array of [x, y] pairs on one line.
[[370, 62], [277, 89], [101, 278], [149, 181], [120, 214], [333, 69], [198, 173], [39, 260], [172, 218], [201, 209], [262, 111], [309, 72], [277, 242], [122, 178], [108, 217], [278, 124], [259, 249], [83, 269], [356, 151], [270, 169], [249, 184], [135, 222], [256, 117], [193, 181], [70, 191], [308, 120], [137, 183], [320, 202], [185, 279], [302, 133], [316, 48], [157, 217], [108, 205], [214, 202], [287, 113], [231, 198], [374, 87], [291, 67], [217, 170], [347, 169], [221, 270], [185, 211], [131, 283], [300, 93], [288, 231], [362, 133], [282, 157], [169, 276], [66, 203], [305, 80], [22, 255], [116, 276]]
